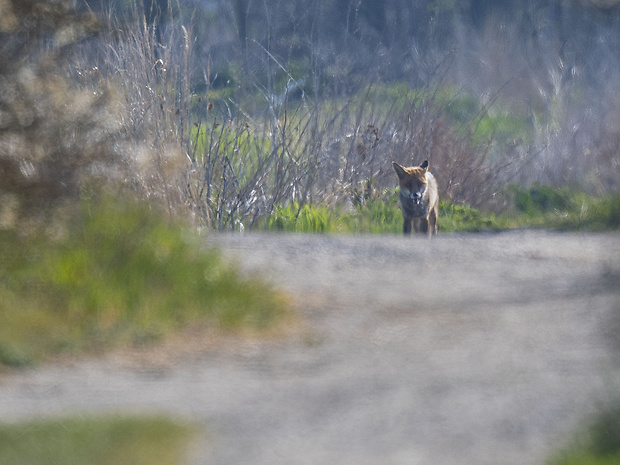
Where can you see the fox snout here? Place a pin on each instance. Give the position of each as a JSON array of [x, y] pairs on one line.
[[416, 197]]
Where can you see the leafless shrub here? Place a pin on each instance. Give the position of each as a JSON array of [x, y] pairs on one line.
[[411, 128], [149, 64], [335, 154]]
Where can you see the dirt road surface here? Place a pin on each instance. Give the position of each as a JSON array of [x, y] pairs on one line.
[[466, 349]]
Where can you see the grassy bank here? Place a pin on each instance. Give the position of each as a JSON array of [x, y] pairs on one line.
[[120, 274], [536, 207], [121, 440], [109, 440], [376, 217]]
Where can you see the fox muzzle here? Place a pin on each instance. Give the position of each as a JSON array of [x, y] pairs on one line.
[[417, 197]]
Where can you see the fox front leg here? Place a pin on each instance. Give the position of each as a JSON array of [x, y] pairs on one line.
[[407, 226]]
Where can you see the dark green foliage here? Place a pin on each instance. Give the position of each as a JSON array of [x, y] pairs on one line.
[[463, 109], [605, 434], [604, 214], [597, 444], [564, 209], [541, 199]]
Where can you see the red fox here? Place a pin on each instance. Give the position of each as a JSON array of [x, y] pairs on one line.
[[419, 199]]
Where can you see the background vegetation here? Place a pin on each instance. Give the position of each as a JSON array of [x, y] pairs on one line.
[[236, 109], [230, 112]]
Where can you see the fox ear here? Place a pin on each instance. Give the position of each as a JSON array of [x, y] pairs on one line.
[[424, 165], [400, 171]]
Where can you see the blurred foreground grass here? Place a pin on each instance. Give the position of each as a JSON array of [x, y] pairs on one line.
[[126, 440], [108, 440], [596, 444], [121, 274]]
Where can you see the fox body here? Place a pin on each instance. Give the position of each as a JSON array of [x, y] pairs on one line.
[[419, 199]]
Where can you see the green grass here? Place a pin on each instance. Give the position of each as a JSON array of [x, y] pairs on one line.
[[110, 440], [306, 218], [536, 207], [596, 444], [563, 209], [381, 216], [463, 218], [377, 217], [122, 275]]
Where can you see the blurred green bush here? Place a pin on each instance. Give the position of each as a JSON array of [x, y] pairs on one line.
[[120, 274], [107, 440], [596, 444]]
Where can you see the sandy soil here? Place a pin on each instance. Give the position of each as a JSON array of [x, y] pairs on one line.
[[466, 349]]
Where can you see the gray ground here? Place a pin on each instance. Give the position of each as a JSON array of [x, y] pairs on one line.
[[472, 349]]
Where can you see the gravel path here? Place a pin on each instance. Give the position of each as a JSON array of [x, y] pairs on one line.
[[472, 349]]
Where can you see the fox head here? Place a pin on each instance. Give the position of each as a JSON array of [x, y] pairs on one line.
[[412, 180]]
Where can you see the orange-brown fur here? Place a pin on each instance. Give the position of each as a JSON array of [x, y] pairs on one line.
[[419, 199]]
